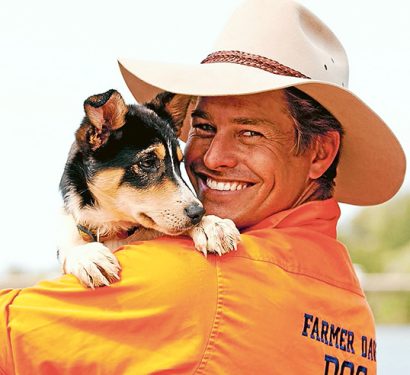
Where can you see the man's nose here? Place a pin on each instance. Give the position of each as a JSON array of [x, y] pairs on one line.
[[221, 153]]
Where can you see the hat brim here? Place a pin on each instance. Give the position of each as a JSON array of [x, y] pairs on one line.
[[372, 163]]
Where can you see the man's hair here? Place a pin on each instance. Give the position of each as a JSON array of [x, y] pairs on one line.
[[313, 121]]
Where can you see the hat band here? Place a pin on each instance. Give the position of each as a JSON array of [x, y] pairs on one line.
[[256, 61]]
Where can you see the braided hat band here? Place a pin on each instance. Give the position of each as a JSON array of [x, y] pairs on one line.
[[256, 61]]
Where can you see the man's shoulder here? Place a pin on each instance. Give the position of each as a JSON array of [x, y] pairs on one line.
[[168, 268], [169, 265], [172, 248], [164, 266], [165, 300]]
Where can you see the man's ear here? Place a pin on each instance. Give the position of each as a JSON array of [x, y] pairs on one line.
[[104, 113], [324, 152], [171, 107]]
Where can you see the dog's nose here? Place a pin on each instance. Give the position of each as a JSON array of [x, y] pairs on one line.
[[194, 212]]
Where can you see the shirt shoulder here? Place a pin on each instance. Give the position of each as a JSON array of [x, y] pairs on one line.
[[7, 297], [158, 316]]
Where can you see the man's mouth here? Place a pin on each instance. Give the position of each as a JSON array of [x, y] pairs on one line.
[[226, 185]]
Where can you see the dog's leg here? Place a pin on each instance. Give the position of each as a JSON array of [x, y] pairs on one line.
[[91, 262], [215, 235]]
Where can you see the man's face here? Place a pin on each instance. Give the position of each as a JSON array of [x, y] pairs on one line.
[[240, 157]]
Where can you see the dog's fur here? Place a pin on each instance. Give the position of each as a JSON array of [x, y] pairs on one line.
[[122, 183]]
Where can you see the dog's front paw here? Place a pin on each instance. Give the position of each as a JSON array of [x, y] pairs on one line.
[[215, 235], [93, 264]]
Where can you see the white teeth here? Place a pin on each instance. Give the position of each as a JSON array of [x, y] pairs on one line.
[[212, 184], [225, 186]]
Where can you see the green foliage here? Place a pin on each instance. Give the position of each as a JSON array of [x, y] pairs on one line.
[[378, 238], [390, 308]]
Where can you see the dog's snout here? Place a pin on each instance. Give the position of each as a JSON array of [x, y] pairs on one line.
[[194, 212]]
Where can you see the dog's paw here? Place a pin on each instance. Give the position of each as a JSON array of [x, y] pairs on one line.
[[215, 235], [93, 264]]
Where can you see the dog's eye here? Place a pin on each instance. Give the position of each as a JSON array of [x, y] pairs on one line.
[[148, 163]]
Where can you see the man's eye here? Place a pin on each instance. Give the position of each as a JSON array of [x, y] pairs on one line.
[[202, 127], [251, 133]]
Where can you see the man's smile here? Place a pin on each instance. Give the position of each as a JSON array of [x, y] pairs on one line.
[[225, 185], [221, 185]]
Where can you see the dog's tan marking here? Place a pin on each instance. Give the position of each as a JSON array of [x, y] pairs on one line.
[[180, 155], [166, 190], [108, 180], [160, 151], [155, 196], [105, 187]]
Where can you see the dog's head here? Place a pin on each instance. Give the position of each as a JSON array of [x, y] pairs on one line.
[[125, 165]]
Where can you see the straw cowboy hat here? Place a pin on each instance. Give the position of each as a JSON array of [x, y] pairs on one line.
[[272, 44]]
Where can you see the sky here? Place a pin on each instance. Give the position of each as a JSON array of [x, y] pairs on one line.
[[55, 54]]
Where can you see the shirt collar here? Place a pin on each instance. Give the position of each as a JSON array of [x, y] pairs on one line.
[[321, 216]]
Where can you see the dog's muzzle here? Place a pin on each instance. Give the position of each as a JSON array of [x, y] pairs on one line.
[[194, 212]]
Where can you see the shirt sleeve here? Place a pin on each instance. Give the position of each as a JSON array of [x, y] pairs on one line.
[[157, 317], [7, 297]]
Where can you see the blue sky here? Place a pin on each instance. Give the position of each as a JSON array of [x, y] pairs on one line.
[[55, 54]]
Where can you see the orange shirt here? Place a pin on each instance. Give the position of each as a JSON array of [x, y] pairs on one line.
[[286, 302]]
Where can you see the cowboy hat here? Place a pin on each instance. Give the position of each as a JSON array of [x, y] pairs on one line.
[[273, 44]]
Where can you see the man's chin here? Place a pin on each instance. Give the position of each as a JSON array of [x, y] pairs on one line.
[[226, 204], [222, 211]]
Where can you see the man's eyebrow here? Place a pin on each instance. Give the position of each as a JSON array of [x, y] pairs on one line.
[[251, 121], [201, 114], [237, 120]]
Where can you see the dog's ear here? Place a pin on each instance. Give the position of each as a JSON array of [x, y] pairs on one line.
[[104, 113], [172, 107]]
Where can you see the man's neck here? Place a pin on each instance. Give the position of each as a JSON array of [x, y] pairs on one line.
[[312, 192]]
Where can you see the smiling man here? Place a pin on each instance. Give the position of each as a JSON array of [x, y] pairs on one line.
[[241, 155], [274, 141]]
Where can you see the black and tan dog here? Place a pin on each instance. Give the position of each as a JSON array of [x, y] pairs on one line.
[[122, 183]]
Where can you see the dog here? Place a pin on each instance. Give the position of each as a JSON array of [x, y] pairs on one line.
[[122, 183]]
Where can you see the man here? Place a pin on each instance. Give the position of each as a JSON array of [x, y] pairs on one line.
[[269, 113]]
